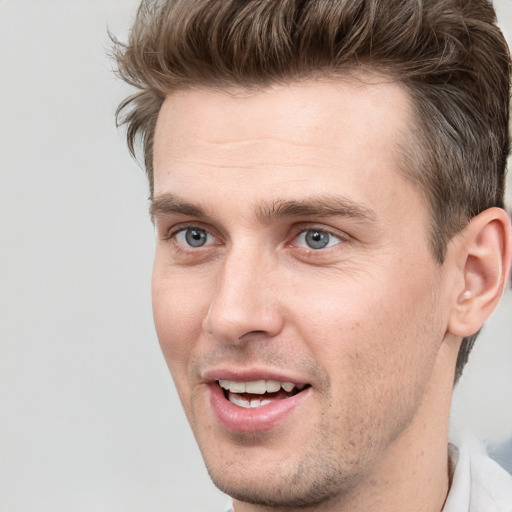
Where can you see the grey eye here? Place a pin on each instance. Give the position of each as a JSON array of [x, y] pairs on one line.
[[317, 239], [194, 237]]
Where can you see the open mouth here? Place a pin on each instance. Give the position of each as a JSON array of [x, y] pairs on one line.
[[258, 393]]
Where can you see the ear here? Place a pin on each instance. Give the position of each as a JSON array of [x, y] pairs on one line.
[[483, 255]]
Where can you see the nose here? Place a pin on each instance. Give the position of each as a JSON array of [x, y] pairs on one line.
[[245, 302]]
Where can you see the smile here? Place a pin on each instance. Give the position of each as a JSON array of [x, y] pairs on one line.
[[256, 405], [258, 393]]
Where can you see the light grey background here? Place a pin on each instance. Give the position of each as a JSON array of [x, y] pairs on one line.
[[89, 420]]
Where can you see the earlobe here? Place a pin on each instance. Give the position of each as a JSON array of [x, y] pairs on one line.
[[484, 255]]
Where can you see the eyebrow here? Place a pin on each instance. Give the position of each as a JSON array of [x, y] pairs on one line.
[[267, 211], [315, 206], [167, 204]]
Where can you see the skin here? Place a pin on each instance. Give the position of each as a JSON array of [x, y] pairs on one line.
[[365, 321]]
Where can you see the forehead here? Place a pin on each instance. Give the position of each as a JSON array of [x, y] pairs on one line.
[[302, 138], [297, 112]]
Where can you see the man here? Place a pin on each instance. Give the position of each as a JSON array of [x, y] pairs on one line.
[[326, 183]]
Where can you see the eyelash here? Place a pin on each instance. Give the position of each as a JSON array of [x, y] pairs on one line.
[[171, 234], [322, 229]]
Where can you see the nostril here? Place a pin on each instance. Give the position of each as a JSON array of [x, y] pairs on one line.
[[254, 334]]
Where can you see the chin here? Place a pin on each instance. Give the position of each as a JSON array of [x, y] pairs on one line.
[[281, 482], [276, 494]]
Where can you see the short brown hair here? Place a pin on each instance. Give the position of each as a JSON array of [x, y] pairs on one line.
[[449, 54]]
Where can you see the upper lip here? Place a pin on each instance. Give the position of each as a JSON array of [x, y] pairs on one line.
[[249, 375]]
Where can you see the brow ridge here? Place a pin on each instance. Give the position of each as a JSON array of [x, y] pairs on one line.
[[266, 211], [316, 206], [167, 204]]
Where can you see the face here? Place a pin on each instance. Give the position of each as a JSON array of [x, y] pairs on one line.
[[297, 303]]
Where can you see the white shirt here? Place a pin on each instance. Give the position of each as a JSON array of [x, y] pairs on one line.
[[479, 484]]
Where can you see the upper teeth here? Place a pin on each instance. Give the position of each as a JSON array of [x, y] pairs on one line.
[[258, 387]]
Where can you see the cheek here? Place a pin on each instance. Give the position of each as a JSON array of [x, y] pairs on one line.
[[376, 335], [178, 316]]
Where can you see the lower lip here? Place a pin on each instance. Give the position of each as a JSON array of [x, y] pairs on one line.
[[255, 419]]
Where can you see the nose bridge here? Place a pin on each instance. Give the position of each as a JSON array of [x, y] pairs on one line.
[[243, 302]]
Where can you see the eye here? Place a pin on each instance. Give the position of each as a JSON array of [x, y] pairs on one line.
[[316, 239], [193, 237]]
